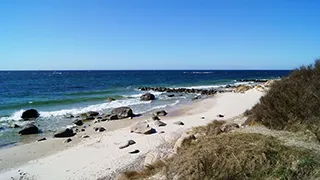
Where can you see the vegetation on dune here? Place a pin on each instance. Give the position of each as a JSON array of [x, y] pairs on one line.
[[292, 103], [236, 156]]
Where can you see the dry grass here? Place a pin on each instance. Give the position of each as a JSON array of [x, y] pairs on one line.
[[237, 156], [292, 103]]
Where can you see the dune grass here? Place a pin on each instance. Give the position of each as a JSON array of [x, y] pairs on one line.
[[292, 103], [236, 156]]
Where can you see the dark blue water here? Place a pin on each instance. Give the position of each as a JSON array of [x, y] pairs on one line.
[[55, 93]]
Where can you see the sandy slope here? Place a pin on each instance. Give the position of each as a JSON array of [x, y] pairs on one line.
[[100, 156]]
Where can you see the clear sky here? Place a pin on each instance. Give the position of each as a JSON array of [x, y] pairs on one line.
[[158, 34]]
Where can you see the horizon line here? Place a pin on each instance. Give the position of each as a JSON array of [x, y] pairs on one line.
[[152, 70]]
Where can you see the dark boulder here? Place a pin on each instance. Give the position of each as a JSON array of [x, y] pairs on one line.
[[123, 112], [111, 99], [30, 114], [78, 122], [161, 113], [65, 133], [170, 95], [42, 139], [29, 129], [147, 97], [92, 113], [155, 118]]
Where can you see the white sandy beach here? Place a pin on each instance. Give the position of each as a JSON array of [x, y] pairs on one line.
[[99, 156]]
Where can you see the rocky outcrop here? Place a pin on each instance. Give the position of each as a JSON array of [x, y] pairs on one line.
[[147, 97], [123, 112], [64, 133], [78, 122], [160, 113], [29, 129], [30, 114], [141, 128], [180, 90], [109, 117]]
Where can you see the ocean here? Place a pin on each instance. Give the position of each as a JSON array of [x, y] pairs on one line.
[[57, 93]]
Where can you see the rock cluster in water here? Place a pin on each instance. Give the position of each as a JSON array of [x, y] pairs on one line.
[[180, 90]]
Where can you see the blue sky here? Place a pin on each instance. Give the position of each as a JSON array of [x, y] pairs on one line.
[[158, 34]]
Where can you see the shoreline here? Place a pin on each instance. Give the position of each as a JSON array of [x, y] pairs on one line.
[[71, 161]]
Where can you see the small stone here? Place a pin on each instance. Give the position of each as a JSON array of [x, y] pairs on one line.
[[178, 123], [129, 143], [159, 123], [85, 136], [202, 117], [76, 130], [42, 139], [155, 118], [161, 132], [99, 129], [16, 126], [134, 152], [67, 140], [220, 115], [82, 130]]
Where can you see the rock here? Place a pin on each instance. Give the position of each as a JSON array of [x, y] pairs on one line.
[[111, 99], [76, 130], [83, 130], [64, 133], [78, 122], [42, 139], [161, 132], [15, 126], [29, 129], [129, 143], [155, 118], [202, 117], [85, 136], [185, 139], [220, 115], [30, 114], [147, 97], [69, 116], [141, 128], [170, 95], [99, 117], [161, 113], [67, 140], [134, 152], [123, 112], [90, 118], [197, 97], [92, 113], [229, 127], [178, 123], [99, 129], [110, 117], [228, 86], [159, 123]]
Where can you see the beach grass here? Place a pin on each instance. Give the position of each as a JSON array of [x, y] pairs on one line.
[[236, 156], [292, 103]]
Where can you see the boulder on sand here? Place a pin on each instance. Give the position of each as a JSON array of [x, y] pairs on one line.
[[147, 97], [65, 133], [161, 113], [141, 128], [123, 112], [92, 113], [30, 114], [29, 129], [78, 122], [159, 123]]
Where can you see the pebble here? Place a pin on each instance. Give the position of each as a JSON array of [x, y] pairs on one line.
[[67, 140], [134, 152]]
